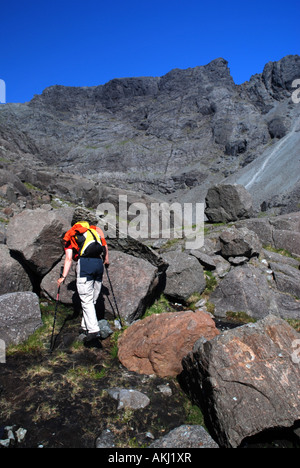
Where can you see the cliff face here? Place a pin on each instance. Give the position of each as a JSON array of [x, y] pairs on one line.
[[172, 136]]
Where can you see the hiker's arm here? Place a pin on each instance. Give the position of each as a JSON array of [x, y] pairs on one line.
[[106, 259], [105, 246], [67, 266]]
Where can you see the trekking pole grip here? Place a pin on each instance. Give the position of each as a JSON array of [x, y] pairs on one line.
[[58, 291]]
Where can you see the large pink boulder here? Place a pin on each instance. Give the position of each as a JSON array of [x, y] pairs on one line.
[[157, 344]]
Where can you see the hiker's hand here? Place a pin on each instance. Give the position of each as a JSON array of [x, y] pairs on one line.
[[60, 281], [106, 264]]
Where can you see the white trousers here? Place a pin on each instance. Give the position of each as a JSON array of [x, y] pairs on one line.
[[88, 291]]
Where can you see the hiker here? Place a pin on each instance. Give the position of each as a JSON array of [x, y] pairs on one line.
[[86, 244]]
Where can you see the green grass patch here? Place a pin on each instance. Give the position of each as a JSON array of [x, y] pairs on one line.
[[39, 341], [211, 282], [81, 373], [283, 252], [193, 299], [295, 323], [160, 306], [193, 413]]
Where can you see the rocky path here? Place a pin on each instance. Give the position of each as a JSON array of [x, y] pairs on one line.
[[66, 399], [82, 397]]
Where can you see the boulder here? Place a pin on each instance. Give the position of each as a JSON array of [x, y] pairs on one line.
[[105, 440], [68, 292], [20, 316], [222, 267], [186, 436], [129, 398], [225, 203], [185, 276], [134, 283], [288, 307], [13, 277], [105, 330], [248, 289], [277, 128], [209, 255], [12, 185], [275, 257], [207, 261], [36, 235], [244, 289], [246, 380], [287, 278], [239, 243], [286, 222], [280, 232], [8, 192], [235, 261], [157, 344], [287, 240], [261, 227]]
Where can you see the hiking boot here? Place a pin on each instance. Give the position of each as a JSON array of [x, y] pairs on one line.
[[92, 336]]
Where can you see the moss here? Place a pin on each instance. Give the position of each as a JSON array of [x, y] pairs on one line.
[[30, 186], [193, 413], [239, 317], [210, 307]]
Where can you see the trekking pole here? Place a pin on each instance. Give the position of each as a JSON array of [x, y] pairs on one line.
[[55, 313], [106, 269]]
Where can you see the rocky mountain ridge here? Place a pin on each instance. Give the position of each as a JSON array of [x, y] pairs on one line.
[[170, 137]]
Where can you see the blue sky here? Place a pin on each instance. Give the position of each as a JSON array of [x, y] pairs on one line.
[[76, 43]]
